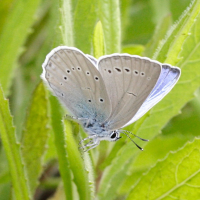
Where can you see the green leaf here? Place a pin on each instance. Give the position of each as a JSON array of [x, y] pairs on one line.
[[175, 135], [158, 36], [98, 40], [85, 18], [109, 15], [176, 177], [12, 149], [151, 155], [119, 166], [35, 136], [51, 151], [4, 10], [78, 167], [4, 169], [60, 144], [14, 33], [133, 49], [124, 12], [170, 48], [187, 37], [66, 22]]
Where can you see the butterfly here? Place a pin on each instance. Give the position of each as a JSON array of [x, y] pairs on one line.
[[107, 94]]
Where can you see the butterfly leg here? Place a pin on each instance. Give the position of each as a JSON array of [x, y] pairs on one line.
[[75, 118], [92, 143], [89, 137], [96, 143]]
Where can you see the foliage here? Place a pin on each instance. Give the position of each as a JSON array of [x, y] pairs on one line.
[[39, 154]]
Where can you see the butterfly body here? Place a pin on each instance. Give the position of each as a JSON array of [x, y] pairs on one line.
[[100, 130], [107, 94]]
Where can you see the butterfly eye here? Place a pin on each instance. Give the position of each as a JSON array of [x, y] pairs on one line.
[[114, 135]]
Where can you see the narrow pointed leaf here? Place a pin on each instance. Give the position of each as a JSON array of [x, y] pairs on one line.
[[12, 149], [19, 21], [66, 22], [98, 40], [109, 15], [85, 18], [77, 165], [60, 144], [158, 36], [35, 135]]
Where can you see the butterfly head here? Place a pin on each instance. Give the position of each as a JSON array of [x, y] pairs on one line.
[[93, 140]]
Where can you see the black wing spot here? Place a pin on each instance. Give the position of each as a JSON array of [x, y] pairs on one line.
[[73, 68], [136, 72], [79, 68], [61, 84], [68, 71], [89, 100], [127, 70], [96, 78], [117, 69], [62, 94], [142, 73], [101, 100], [109, 71], [88, 73], [65, 78]]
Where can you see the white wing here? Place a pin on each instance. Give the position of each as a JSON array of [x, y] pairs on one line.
[[129, 80], [77, 83], [168, 78]]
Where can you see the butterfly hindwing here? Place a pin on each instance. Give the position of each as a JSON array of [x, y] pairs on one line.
[[167, 79]]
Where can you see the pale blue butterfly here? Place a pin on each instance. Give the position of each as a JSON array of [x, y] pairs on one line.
[[107, 94]]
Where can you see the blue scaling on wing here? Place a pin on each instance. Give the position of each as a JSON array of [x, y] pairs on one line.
[[167, 79]]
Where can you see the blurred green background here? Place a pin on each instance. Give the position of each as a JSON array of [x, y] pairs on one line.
[[28, 32]]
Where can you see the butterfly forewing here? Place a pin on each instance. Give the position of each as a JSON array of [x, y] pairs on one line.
[[77, 83], [129, 81]]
